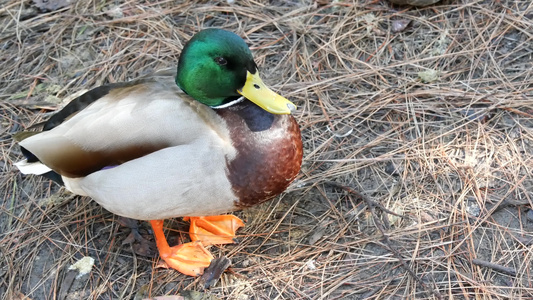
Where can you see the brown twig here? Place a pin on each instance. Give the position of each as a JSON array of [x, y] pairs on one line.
[[496, 267]]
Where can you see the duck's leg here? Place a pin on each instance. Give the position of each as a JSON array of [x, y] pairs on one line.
[[189, 258], [213, 230]]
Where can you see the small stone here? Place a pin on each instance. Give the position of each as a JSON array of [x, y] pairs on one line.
[[310, 264], [400, 25], [473, 209]]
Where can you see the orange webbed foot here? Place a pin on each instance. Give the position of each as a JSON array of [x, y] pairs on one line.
[[212, 230], [189, 258]]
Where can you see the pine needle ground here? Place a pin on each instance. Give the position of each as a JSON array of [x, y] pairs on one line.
[[418, 133]]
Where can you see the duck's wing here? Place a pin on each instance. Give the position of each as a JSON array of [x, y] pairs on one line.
[[80, 103], [96, 93], [117, 124]]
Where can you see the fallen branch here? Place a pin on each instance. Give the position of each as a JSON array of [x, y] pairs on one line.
[[495, 267]]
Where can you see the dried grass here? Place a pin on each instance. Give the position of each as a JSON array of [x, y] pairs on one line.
[[452, 156]]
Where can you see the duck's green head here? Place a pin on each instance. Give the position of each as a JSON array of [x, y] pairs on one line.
[[216, 66]]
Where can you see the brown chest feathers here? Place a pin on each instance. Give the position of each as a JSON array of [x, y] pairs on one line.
[[269, 152]]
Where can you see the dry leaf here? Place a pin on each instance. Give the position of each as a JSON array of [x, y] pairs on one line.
[[213, 273], [428, 76]]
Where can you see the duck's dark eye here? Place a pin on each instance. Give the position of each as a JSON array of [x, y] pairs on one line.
[[221, 60]]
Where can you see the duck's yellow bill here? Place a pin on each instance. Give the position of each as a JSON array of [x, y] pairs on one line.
[[256, 91]]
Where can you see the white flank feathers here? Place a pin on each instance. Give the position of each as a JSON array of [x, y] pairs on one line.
[[36, 168]]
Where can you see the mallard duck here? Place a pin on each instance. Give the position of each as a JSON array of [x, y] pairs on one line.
[[207, 139]]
